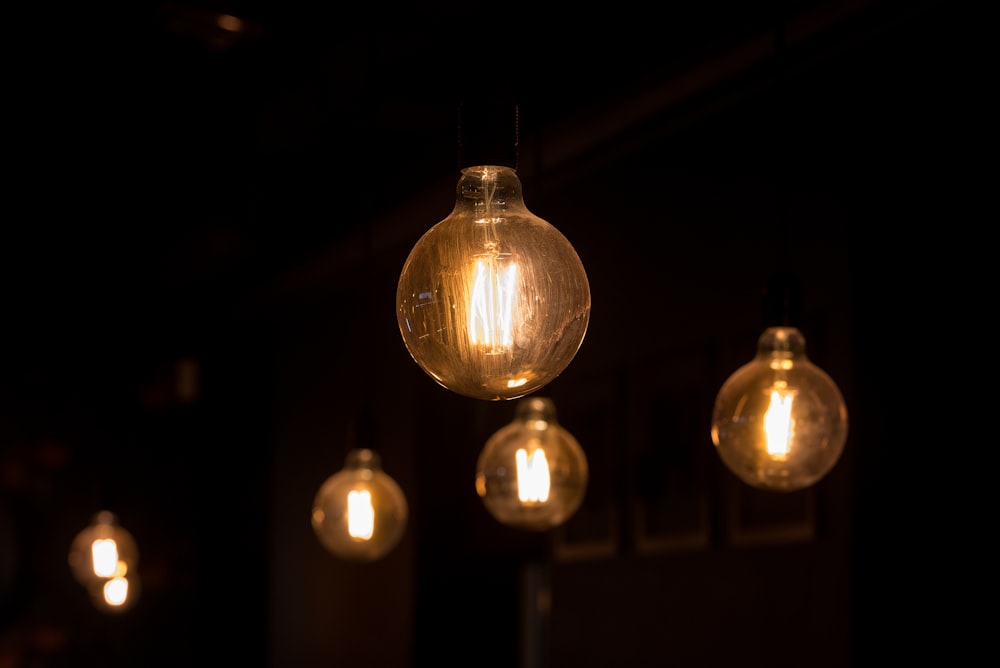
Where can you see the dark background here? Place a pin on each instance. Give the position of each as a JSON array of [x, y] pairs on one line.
[[185, 198]]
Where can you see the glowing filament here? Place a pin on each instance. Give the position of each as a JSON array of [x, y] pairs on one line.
[[491, 311], [533, 481], [779, 427], [360, 514], [104, 556]]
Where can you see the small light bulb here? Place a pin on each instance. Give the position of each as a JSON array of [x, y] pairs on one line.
[[779, 422], [360, 513], [100, 557], [532, 474], [493, 302]]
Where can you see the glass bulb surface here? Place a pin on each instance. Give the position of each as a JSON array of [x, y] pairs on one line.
[[104, 558], [532, 474], [493, 302], [779, 422], [360, 512]]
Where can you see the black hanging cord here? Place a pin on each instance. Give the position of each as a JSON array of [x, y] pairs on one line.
[[488, 130], [783, 294], [364, 435], [362, 426]]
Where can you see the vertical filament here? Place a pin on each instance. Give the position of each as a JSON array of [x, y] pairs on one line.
[[533, 482], [491, 311], [104, 555], [779, 427], [360, 514]]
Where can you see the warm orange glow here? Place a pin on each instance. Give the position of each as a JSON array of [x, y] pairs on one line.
[[779, 427], [230, 22], [360, 514], [533, 482]]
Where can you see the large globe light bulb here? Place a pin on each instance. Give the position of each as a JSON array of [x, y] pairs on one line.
[[493, 302], [104, 558], [532, 474], [779, 422], [360, 513]]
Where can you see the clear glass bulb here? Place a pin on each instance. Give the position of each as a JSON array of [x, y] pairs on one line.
[[360, 512], [104, 558], [780, 422], [532, 474], [493, 302]]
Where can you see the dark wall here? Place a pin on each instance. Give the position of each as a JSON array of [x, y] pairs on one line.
[[671, 561], [679, 219]]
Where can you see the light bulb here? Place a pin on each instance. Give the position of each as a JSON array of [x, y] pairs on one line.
[[779, 422], [532, 473], [493, 302], [104, 558], [360, 513]]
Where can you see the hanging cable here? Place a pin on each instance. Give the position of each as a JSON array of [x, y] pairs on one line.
[[783, 294]]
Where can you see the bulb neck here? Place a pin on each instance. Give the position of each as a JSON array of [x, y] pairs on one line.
[[534, 409], [781, 342], [363, 458], [489, 190], [105, 518]]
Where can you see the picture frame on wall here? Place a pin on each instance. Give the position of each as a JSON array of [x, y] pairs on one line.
[[755, 517], [590, 408], [670, 452]]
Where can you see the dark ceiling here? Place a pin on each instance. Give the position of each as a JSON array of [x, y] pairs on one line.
[[171, 161], [173, 158]]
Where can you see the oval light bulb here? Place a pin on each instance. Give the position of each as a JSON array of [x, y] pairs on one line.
[[360, 512], [493, 302], [532, 474], [779, 422], [104, 558]]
